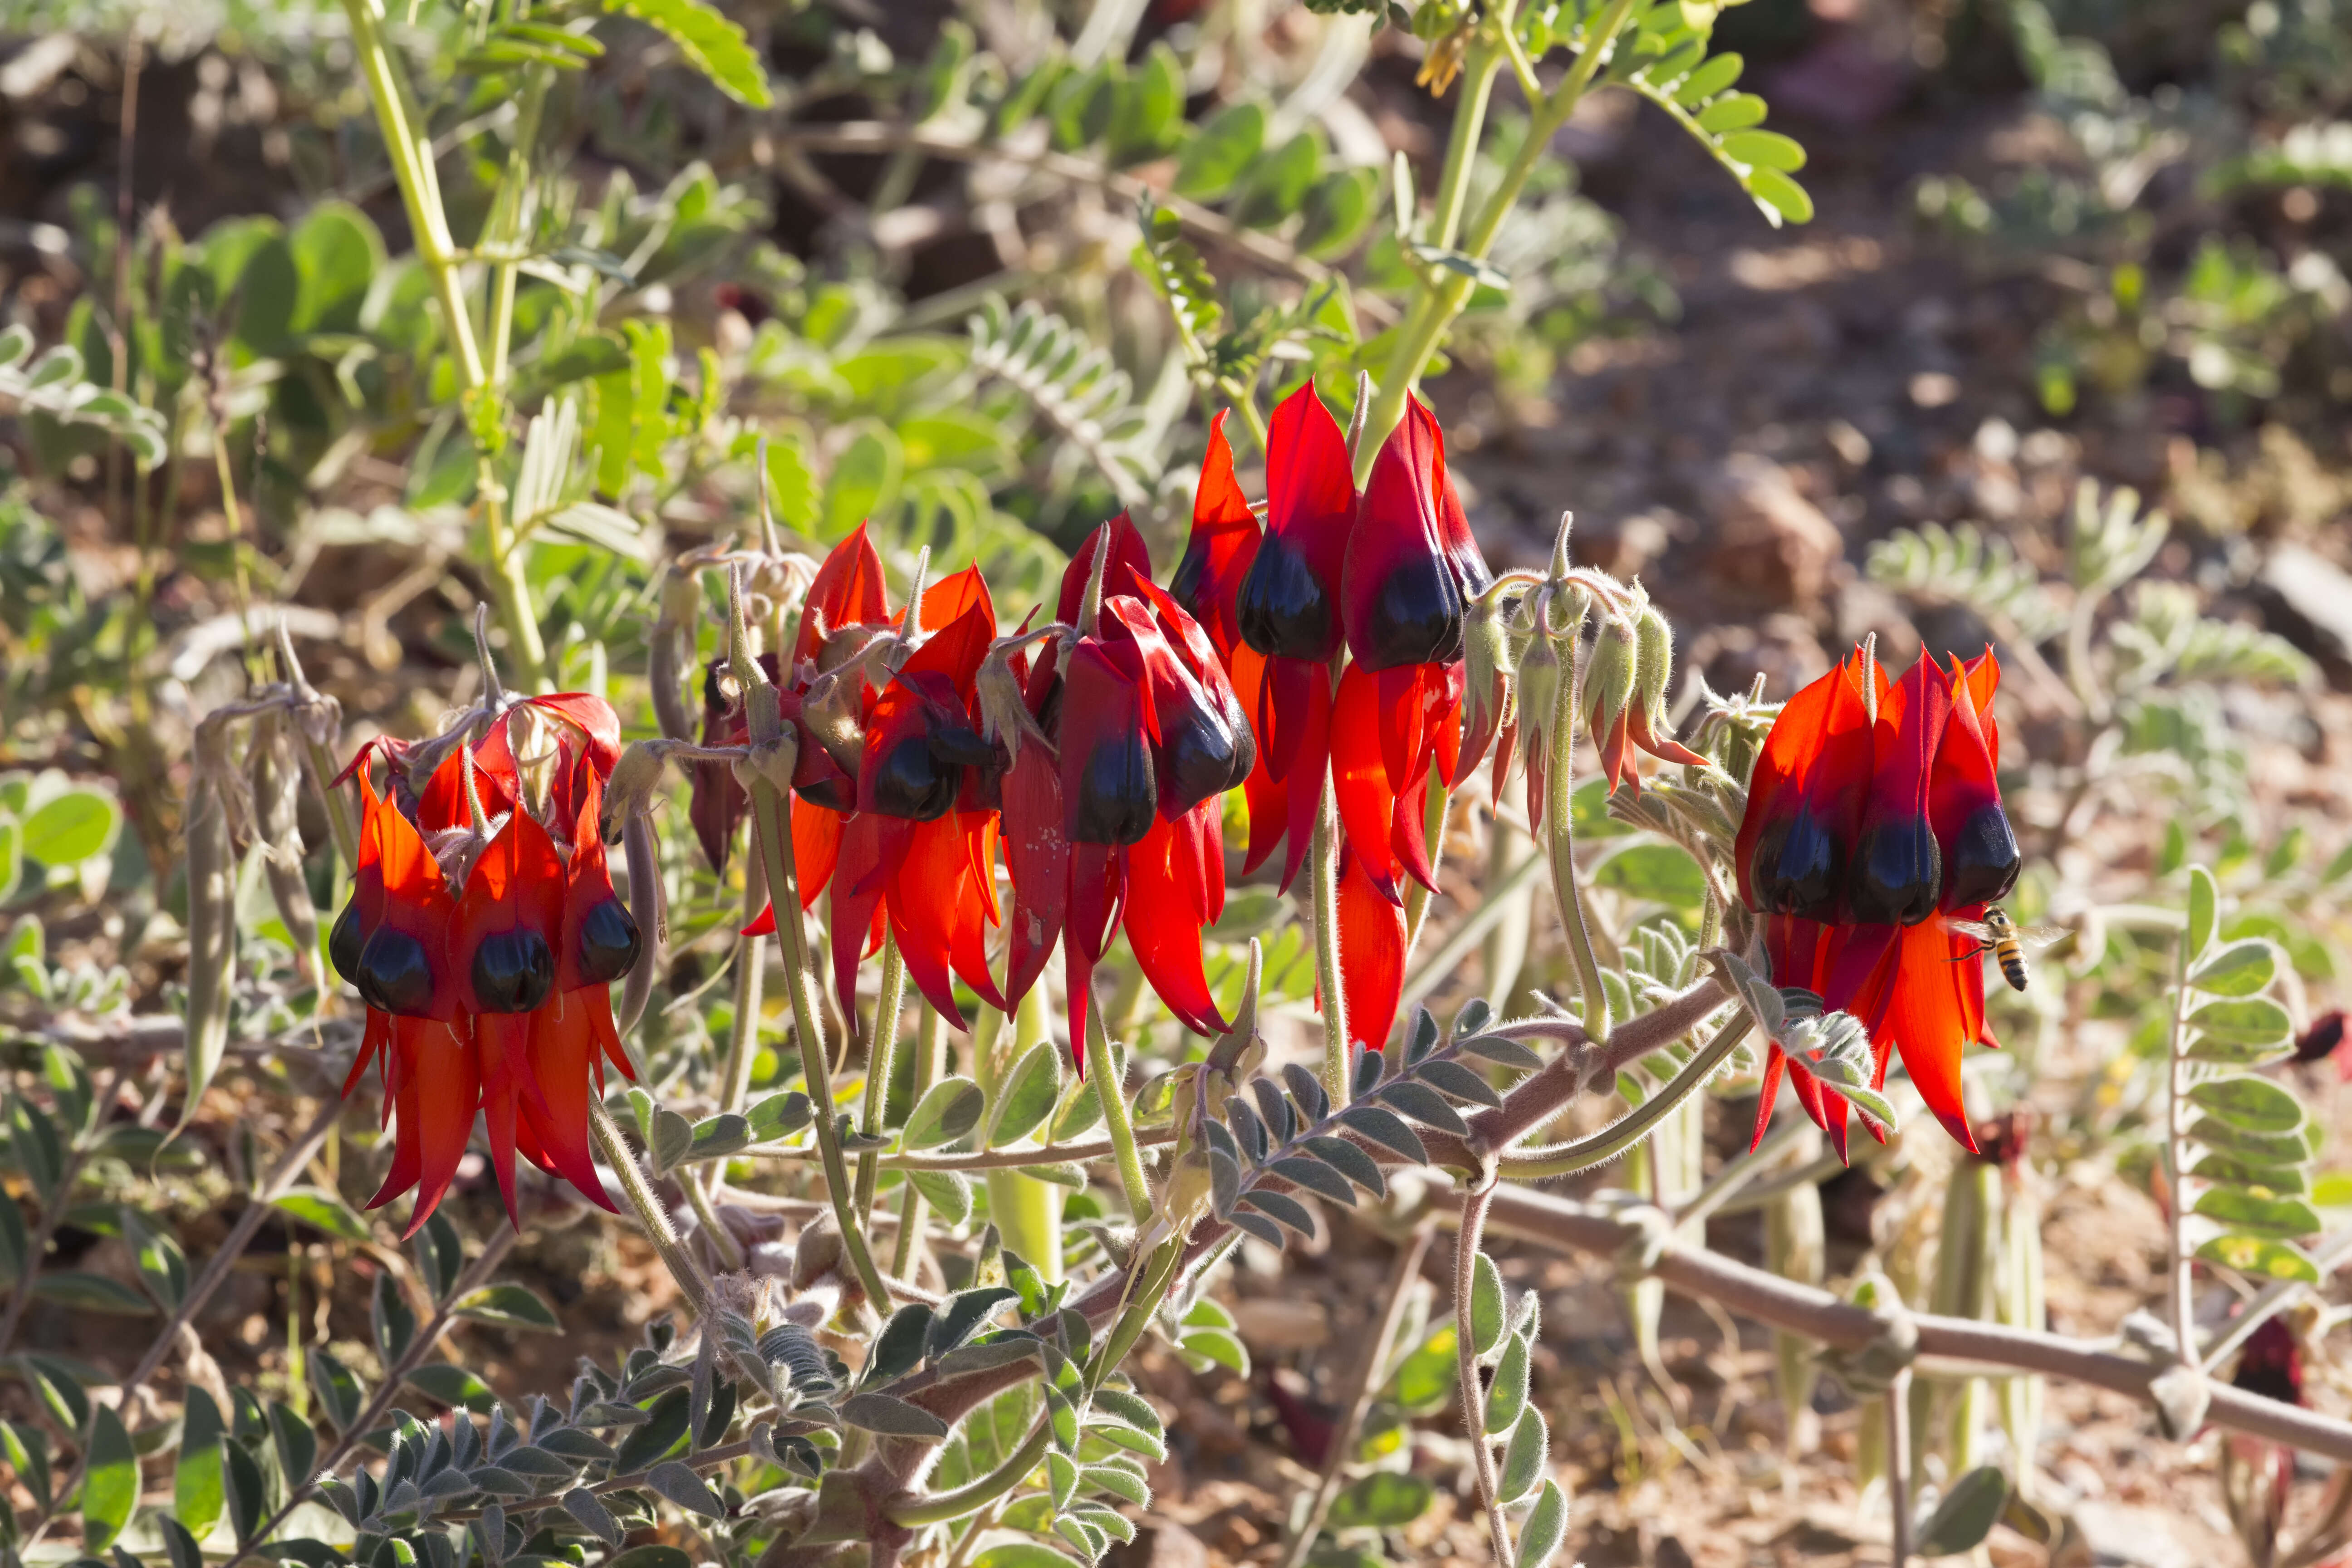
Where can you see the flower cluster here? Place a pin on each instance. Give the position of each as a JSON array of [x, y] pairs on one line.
[[1874, 826], [483, 934], [1094, 752]]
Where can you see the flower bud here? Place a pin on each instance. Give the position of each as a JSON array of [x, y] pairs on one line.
[[1613, 678]]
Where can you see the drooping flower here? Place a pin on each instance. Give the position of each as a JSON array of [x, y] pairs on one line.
[[1864, 839], [1412, 566], [1288, 611], [1806, 794], [483, 934], [1122, 825], [915, 854]]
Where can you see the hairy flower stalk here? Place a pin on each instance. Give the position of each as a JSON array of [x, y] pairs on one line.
[[773, 748]]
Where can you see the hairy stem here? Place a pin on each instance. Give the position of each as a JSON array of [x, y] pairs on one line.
[[1368, 1369], [930, 1035], [1443, 293], [1475, 1204], [881, 1047], [1581, 1153], [1559, 830], [1112, 1092], [979, 1494], [1323, 877]]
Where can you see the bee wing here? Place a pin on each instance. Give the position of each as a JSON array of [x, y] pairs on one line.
[[1975, 929], [2042, 936]]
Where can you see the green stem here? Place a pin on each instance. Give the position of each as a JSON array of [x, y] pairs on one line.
[[1473, 1389], [750, 996], [1027, 1211], [881, 1046], [1323, 878], [1112, 1093], [411, 153], [930, 1035], [692, 1282], [1442, 294], [1582, 1153], [1559, 830], [951, 1506], [775, 840]]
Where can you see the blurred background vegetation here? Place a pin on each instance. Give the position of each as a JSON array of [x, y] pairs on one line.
[[981, 272]]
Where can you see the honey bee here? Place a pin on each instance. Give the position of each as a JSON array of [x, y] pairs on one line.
[[2007, 941]]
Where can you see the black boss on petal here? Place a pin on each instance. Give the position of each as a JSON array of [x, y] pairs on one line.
[[609, 943], [1198, 757], [513, 972], [1285, 612], [1416, 616], [1898, 873], [395, 973], [1116, 794], [1981, 862], [1799, 868], [345, 942]]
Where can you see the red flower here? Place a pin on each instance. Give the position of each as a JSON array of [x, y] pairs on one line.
[[916, 851], [1287, 610], [1805, 796], [1862, 842], [484, 957], [1123, 825], [1411, 567]]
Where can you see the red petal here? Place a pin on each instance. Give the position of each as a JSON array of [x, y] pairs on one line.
[[1165, 932], [871, 848], [1398, 578], [1776, 1065], [1360, 724], [1310, 767], [501, 1045], [1371, 949], [1128, 552], [447, 1088], [848, 590], [1223, 544], [1310, 484], [1902, 983], [816, 847], [592, 719], [1811, 778], [1037, 854]]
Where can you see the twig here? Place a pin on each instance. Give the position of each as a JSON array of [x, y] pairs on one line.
[[1368, 1383], [1946, 1345], [1898, 1466]]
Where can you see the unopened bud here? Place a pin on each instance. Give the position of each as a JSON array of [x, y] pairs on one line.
[[1654, 641], [1614, 677]]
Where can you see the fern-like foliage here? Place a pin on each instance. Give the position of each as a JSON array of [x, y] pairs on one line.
[[1072, 384], [1965, 566], [1667, 62], [1287, 1134]]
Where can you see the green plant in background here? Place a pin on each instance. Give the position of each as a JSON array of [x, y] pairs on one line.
[[532, 405]]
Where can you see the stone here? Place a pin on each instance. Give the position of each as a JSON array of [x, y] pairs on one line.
[[1771, 543]]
